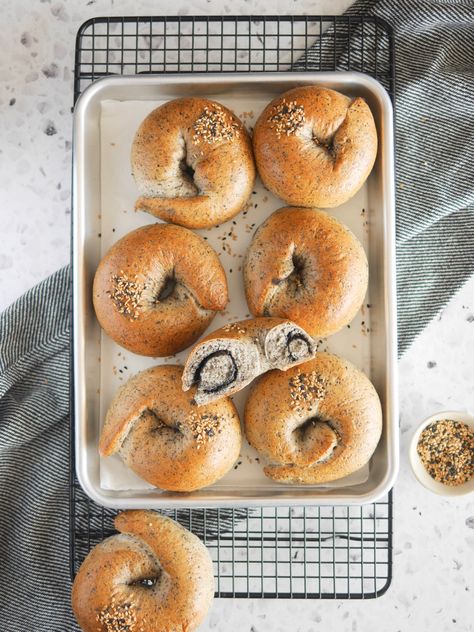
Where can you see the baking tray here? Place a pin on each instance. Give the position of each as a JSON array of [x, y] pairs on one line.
[[370, 213]]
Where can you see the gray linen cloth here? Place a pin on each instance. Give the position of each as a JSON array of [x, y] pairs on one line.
[[435, 227]]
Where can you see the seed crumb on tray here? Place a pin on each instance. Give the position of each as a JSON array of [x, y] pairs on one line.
[[446, 449]]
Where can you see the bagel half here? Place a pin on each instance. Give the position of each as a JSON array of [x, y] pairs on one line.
[[231, 357]]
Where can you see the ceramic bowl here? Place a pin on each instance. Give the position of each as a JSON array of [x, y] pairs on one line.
[[419, 469]]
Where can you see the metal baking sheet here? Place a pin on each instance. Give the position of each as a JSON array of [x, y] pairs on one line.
[[104, 194]]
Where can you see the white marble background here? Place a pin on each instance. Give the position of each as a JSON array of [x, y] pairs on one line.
[[434, 537]]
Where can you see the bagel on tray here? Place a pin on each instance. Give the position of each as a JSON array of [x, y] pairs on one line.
[[158, 288], [162, 435], [229, 358], [314, 146], [314, 423], [305, 265], [192, 162], [154, 576]]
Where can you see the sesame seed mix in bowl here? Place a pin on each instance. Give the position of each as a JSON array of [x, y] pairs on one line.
[[446, 449]]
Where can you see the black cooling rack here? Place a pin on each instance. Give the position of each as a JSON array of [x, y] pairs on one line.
[[312, 552]]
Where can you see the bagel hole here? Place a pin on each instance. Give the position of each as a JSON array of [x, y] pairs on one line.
[[167, 289], [326, 145], [295, 280], [313, 421], [157, 425], [187, 170], [215, 372], [315, 441], [307, 425], [146, 582]]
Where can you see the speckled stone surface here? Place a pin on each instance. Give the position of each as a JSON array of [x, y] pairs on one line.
[[434, 537]]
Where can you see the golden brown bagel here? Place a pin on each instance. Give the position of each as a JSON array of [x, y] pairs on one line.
[[155, 576], [314, 146], [229, 358], [316, 422], [158, 288], [305, 265], [192, 162], [165, 438]]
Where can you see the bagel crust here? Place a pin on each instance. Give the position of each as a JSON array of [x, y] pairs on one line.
[[316, 422], [158, 288], [305, 265], [314, 146], [154, 575], [193, 164], [165, 438]]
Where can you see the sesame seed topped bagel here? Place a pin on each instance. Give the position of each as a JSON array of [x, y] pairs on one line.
[[153, 576], [316, 422], [192, 162], [305, 265], [158, 288], [314, 146], [165, 438]]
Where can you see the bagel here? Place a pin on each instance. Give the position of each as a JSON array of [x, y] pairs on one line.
[[158, 288], [229, 358], [314, 146], [161, 435], [193, 164], [152, 576], [314, 423], [305, 265]]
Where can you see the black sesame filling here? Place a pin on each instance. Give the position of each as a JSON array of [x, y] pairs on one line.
[[229, 379], [295, 336]]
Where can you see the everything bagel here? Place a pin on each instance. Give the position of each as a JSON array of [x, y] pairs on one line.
[[152, 576], [315, 147], [304, 265], [158, 288], [192, 162], [165, 438], [316, 422]]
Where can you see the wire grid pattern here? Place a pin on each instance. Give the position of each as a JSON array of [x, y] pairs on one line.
[[279, 552]]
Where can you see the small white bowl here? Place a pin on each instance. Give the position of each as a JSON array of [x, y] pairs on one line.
[[418, 467]]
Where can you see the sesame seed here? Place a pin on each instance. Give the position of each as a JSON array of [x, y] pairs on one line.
[[204, 426], [287, 118], [234, 327], [213, 126], [126, 294], [118, 618], [305, 389], [446, 449]]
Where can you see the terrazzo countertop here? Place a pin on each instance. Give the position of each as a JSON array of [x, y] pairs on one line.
[[433, 536]]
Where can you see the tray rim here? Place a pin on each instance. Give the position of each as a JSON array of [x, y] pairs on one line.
[[335, 496]]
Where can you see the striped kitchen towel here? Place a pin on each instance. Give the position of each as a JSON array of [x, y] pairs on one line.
[[435, 226]]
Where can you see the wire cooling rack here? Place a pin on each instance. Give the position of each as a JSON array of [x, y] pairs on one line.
[[312, 552]]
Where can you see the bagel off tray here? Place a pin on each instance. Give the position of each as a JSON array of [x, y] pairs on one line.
[[106, 118]]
